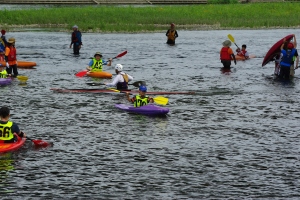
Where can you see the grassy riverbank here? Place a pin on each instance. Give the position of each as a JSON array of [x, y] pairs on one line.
[[155, 18]]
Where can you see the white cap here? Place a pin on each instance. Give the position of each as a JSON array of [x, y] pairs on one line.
[[119, 67]]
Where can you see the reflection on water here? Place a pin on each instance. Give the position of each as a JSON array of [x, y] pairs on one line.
[[236, 137]]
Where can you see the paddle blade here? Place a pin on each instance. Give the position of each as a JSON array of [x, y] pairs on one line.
[[138, 83], [231, 38], [121, 54], [41, 143], [82, 73], [161, 100]]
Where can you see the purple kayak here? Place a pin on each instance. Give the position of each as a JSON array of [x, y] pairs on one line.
[[149, 109], [5, 81]]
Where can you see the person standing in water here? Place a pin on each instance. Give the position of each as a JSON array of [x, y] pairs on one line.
[[226, 54], [76, 40], [172, 35]]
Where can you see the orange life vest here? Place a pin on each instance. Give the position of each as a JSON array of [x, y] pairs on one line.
[[224, 54]]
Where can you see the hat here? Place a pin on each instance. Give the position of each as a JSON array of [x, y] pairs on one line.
[[97, 53], [226, 43], [11, 40], [75, 26], [143, 88], [290, 46], [3, 32]]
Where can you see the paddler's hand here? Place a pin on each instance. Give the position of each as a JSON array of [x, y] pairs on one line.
[[70, 46]]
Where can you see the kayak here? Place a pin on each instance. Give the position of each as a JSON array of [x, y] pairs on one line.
[[243, 57], [22, 64], [113, 91], [275, 50], [149, 109], [6, 147], [5, 81], [99, 74]]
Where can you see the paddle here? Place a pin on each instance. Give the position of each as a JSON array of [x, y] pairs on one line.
[[231, 38], [83, 73], [136, 84], [159, 99], [40, 143]]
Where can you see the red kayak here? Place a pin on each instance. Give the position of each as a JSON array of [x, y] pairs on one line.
[[275, 50], [7, 147], [113, 91]]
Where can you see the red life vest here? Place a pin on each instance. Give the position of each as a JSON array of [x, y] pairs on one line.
[[12, 56], [242, 53], [224, 54]]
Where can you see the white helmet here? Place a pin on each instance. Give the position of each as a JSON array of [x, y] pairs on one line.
[[119, 67]]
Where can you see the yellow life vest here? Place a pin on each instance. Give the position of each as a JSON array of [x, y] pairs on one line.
[[6, 132], [97, 65], [171, 35], [140, 101]]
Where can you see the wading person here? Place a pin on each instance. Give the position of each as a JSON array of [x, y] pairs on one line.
[[226, 54], [76, 40], [172, 35], [2, 45], [11, 57], [287, 59]]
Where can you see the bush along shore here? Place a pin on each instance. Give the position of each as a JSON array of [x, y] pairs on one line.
[[136, 19]]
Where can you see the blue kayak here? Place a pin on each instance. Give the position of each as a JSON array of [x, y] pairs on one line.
[[149, 109]]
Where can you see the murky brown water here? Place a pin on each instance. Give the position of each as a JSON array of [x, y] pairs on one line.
[[237, 137]]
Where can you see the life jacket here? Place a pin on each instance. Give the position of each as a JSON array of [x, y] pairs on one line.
[[123, 85], [140, 101], [6, 132], [3, 74], [76, 38], [171, 35], [12, 56], [287, 57], [97, 65], [242, 53], [224, 54]]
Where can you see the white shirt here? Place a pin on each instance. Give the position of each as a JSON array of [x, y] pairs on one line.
[[119, 78]]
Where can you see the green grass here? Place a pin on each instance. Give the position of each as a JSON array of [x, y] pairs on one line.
[[156, 18]]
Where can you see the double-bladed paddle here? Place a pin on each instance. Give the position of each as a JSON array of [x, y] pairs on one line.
[[159, 99], [136, 84], [83, 73]]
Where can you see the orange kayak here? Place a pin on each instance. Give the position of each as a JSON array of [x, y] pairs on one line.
[[99, 74], [243, 57], [22, 64], [7, 147]]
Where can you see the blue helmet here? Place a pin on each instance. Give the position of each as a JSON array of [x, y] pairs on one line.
[[143, 88]]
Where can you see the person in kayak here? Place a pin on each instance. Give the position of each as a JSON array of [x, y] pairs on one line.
[[226, 54], [3, 72], [287, 59], [172, 35], [242, 52], [8, 129], [141, 99], [96, 64], [11, 57], [76, 40], [2, 45], [121, 80]]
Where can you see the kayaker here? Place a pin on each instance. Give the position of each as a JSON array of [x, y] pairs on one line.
[[287, 59], [3, 72], [226, 54], [96, 64], [76, 40], [292, 69], [172, 35], [141, 99], [121, 80], [242, 52], [11, 57], [8, 129], [2, 45]]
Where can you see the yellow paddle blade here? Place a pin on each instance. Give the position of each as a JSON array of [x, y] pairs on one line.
[[22, 78], [114, 90], [161, 100], [231, 38]]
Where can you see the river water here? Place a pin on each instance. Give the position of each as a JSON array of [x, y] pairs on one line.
[[237, 137]]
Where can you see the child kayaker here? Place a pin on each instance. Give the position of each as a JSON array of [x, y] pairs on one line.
[[97, 63], [242, 52], [8, 129], [121, 80], [141, 99]]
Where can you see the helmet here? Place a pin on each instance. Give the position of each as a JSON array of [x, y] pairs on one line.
[[143, 88], [98, 53], [290, 46], [119, 67]]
